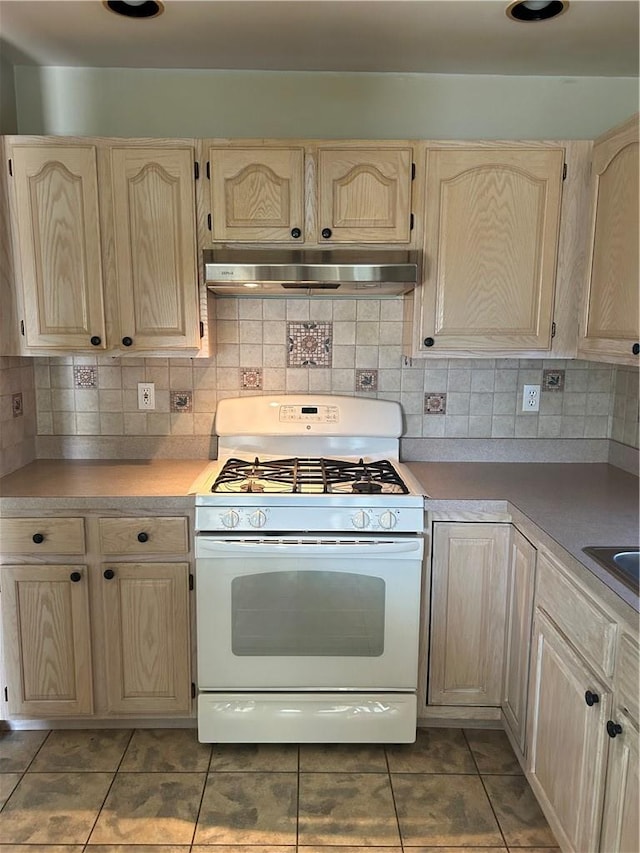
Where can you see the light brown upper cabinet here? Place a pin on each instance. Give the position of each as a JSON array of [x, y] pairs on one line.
[[57, 246], [490, 247], [609, 323], [104, 243], [155, 248], [257, 194], [364, 195]]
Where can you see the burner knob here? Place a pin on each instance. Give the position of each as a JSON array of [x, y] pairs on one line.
[[361, 519], [258, 518], [230, 518], [387, 520]]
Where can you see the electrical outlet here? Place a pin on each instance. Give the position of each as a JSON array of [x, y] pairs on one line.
[[531, 398], [146, 395]]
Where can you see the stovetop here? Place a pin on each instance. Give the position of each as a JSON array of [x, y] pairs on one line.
[[309, 476]]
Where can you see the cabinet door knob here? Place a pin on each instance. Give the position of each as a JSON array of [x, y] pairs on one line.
[[591, 698], [326, 233], [143, 537], [38, 538], [635, 349], [296, 232], [127, 341], [108, 574], [75, 577], [429, 342], [613, 729], [96, 341]]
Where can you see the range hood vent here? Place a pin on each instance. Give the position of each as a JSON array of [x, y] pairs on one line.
[[313, 272]]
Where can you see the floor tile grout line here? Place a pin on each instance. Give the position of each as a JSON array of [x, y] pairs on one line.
[[298, 798], [24, 772], [115, 775], [393, 797], [484, 787]]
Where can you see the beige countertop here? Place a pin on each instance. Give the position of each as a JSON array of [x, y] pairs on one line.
[[574, 505]]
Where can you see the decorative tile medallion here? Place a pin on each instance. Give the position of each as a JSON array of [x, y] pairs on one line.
[[553, 380], [181, 401], [251, 378], [366, 380], [16, 405], [310, 344], [435, 404], [85, 376]]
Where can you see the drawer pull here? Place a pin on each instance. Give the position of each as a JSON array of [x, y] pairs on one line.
[[38, 538], [143, 537], [75, 577], [613, 729], [108, 574], [591, 698]]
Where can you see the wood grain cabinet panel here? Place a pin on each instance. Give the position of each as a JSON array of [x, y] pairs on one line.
[[47, 642], [468, 600], [42, 536], [490, 248], [620, 826], [610, 324], [155, 247], [566, 738], [143, 535], [364, 195], [257, 194], [519, 616], [146, 618], [57, 238]]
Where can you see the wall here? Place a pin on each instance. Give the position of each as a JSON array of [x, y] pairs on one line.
[[624, 426], [153, 102], [17, 413], [8, 106], [356, 349]]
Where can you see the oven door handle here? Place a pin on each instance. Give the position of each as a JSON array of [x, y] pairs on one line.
[[318, 546]]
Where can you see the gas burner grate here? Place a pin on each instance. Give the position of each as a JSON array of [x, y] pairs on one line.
[[312, 475]]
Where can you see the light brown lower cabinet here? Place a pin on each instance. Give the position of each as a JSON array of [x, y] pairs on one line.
[[620, 826], [147, 637], [469, 573], [47, 640], [566, 738]]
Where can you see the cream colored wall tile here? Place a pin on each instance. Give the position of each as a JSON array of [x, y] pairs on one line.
[[343, 379], [412, 380], [433, 426], [135, 423], [321, 310], [274, 332], [42, 373], [61, 376], [130, 401], [6, 407], [345, 356], [389, 380], [458, 403], [227, 332], [572, 427], [132, 375], [158, 374], [549, 426], [204, 377], [413, 426], [344, 333], [63, 400], [274, 309], [158, 423], [504, 404], [64, 423], [86, 400], [390, 334], [365, 356], [503, 426], [227, 308], [250, 331], [574, 404], [297, 379], [111, 400], [367, 309], [389, 356], [111, 423], [368, 333], [162, 400], [203, 424], [392, 310], [180, 378], [44, 423], [596, 426], [297, 309], [88, 423], [480, 404], [412, 402], [227, 379], [181, 423], [526, 425], [251, 355], [204, 400], [274, 356], [273, 378], [456, 426], [320, 379], [109, 377], [479, 426], [250, 309], [228, 355], [81, 360]]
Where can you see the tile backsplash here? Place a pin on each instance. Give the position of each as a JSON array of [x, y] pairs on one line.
[[17, 413], [334, 346]]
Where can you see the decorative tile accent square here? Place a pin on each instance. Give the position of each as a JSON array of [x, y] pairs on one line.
[[16, 405], [553, 380], [435, 404], [366, 380], [309, 344], [251, 378], [181, 401], [85, 376]]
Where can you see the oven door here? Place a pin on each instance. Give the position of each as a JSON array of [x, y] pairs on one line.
[[312, 613]]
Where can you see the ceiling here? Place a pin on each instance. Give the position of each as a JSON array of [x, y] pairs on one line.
[[592, 38]]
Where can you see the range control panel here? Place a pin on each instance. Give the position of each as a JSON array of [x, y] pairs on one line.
[[310, 414]]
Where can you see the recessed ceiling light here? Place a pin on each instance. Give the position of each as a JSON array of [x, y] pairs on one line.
[[135, 8], [536, 10]]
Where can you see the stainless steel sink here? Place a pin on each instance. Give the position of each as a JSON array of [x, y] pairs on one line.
[[622, 562]]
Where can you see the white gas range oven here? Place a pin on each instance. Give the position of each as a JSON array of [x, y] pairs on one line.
[[309, 550]]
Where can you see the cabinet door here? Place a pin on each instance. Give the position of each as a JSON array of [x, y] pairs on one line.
[[610, 323], [520, 584], [257, 194], [566, 739], [146, 618], [491, 237], [620, 824], [468, 613], [45, 613], [58, 243], [364, 195], [155, 247]]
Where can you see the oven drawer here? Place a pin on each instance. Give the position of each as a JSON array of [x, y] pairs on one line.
[[42, 535], [140, 536]]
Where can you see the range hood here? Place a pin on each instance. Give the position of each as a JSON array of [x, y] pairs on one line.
[[312, 272]]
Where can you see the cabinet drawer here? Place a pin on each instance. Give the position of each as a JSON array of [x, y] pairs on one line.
[[581, 620], [627, 676], [143, 535], [42, 535]]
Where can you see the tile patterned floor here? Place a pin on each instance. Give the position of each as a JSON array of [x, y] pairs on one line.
[[160, 791]]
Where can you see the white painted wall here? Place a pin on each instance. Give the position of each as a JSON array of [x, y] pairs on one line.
[[8, 114], [200, 103]]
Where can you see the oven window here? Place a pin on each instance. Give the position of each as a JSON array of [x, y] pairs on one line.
[[310, 613]]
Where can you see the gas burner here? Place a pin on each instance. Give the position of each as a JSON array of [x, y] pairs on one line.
[[366, 487]]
